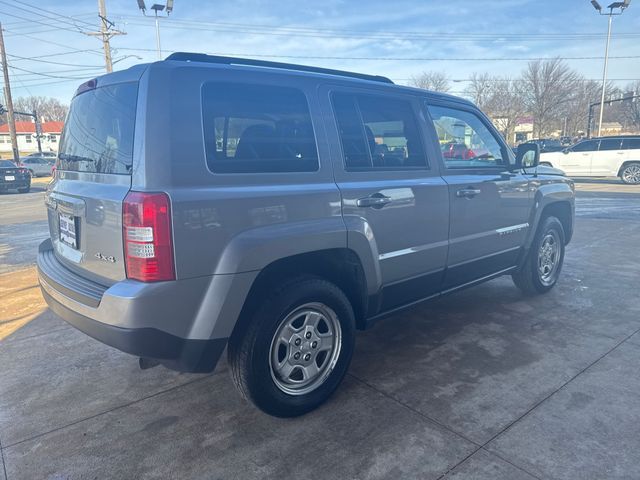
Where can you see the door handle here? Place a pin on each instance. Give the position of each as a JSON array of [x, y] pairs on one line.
[[377, 200], [467, 192]]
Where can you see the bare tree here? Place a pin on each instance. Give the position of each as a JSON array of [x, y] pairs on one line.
[[631, 107], [480, 89], [506, 105], [48, 108], [436, 81], [547, 86], [574, 114]]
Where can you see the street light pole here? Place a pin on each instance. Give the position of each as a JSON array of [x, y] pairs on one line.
[[615, 5], [157, 7], [158, 48], [604, 75]]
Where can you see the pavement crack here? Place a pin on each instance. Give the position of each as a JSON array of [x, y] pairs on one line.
[[4, 463], [411, 409]]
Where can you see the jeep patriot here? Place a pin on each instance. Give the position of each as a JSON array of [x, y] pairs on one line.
[[203, 203]]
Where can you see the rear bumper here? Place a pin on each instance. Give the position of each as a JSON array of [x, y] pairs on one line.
[[19, 182], [181, 324], [176, 353]]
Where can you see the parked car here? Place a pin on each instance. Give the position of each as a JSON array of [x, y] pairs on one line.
[[250, 204], [548, 144], [38, 166], [13, 177], [43, 154], [600, 157]]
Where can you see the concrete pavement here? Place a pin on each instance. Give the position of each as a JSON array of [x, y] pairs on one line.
[[483, 384]]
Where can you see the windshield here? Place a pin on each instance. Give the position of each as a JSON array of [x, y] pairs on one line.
[[98, 133]]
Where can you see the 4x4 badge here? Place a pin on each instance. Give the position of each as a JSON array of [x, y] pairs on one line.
[[105, 258]]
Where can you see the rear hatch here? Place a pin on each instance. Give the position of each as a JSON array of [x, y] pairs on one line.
[[95, 159]]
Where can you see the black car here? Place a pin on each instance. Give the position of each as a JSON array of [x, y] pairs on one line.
[[13, 177], [547, 144]]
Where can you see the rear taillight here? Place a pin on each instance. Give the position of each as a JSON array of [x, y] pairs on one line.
[[146, 228]]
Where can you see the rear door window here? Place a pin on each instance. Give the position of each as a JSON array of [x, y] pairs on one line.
[[610, 144], [378, 132], [98, 133], [586, 146], [257, 129]]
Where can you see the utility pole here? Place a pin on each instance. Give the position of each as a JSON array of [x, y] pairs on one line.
[[105, 33], [7, 95], [38, 130], [626, 98]]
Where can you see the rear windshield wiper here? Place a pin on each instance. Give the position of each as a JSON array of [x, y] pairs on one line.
[[74, 158]]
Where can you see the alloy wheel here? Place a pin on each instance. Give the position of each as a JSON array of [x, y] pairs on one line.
[[549, 257], [305, 348]]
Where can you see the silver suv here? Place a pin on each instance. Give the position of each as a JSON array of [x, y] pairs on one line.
[[202, 202]]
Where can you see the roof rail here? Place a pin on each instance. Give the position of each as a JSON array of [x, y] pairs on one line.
[[201, 57]]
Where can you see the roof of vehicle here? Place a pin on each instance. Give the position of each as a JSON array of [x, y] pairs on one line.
[[301, 70], [612, 136]]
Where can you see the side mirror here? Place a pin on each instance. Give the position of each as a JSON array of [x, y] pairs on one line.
[[528, 155]]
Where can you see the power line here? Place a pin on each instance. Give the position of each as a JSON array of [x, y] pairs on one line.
[[19, 23], [44, 74], [322, 33], [57, 54], [52, 42], [37, 10], [34, 59], [41, 23], [46, 84], [395, 59]]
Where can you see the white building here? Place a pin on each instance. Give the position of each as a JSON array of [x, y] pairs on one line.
[[27, 141]]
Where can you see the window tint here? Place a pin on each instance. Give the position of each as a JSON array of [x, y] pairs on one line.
[[586, 146], [378, 132], [465, 141], [610, 144], [257, 129], [98, 133], [631, 143]]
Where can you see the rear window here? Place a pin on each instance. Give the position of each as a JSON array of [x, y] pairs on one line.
[[631, 143], [610, 144], [257, 129], [98, 133], [7, 164]]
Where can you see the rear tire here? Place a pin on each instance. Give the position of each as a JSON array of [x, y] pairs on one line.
[[541, 268], [24, 190], [296, 347], [630, 174]]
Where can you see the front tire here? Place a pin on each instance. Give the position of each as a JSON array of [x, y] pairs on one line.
[[296, 348], [630, 174], [541, 268]]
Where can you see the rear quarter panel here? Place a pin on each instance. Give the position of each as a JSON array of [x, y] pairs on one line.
[[229, 223]]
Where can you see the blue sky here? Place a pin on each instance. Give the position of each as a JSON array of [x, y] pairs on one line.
[[395, 39]]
